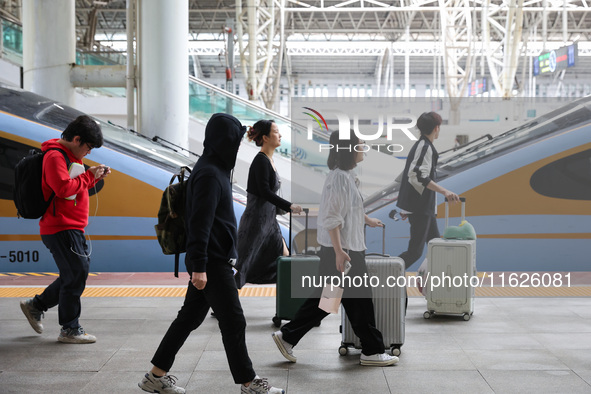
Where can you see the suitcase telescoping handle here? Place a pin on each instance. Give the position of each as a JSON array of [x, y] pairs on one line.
[[306, 211], [383, 241], [463, 201]]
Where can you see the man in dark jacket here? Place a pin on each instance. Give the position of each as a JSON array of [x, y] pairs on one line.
[[416, 198], [211, 253]]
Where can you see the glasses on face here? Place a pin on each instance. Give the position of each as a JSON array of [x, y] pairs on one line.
[[89, 147]]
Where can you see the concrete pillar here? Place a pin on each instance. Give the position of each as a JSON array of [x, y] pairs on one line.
[[163, 70], [49, 48]]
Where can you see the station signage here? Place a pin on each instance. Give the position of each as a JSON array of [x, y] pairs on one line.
[[476, 87], [556, 60]]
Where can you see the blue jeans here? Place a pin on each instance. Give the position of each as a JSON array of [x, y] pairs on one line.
[[70, 252]]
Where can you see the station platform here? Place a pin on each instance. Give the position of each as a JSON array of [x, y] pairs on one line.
[[523, 343]]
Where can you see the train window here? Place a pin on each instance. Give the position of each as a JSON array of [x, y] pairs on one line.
[[56, 115], [123, 140], [10, 154], [42, 110], [36, 108], [568, 178]]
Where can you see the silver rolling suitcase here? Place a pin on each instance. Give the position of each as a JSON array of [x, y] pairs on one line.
[[389, 303], [451, 264]]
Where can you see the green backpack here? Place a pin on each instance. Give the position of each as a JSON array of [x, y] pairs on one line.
[[170, 230]]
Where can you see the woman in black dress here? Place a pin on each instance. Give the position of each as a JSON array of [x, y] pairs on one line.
[[259, 237]]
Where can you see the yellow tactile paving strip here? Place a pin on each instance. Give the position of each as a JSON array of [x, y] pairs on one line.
[[25, 292], [7, 274], [269, 291]]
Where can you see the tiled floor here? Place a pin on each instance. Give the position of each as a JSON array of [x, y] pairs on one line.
[[511, 345]]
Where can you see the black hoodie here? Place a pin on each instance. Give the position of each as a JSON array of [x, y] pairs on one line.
[[211, 224]]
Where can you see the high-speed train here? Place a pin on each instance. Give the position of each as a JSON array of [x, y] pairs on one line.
[[123, 211], [528, 195]]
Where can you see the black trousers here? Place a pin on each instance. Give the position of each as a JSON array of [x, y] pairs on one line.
[[423, 228], [358, 306], [221, 294], [70, 252]]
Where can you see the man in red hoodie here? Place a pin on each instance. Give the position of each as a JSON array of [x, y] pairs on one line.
[[62, 225]]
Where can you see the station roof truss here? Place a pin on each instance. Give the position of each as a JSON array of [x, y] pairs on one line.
[[343, 37]]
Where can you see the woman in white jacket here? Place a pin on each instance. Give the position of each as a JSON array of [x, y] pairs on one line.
[[341, 222]]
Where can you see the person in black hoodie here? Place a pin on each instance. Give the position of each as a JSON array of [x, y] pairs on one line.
[[416, 198], [211, 253]]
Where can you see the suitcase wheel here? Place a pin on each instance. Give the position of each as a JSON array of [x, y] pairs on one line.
[[427, 314], [466, 316], [343, 350], [276, 321], [395, 350]]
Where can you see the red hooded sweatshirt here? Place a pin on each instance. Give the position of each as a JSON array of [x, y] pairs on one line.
[[68, 214]]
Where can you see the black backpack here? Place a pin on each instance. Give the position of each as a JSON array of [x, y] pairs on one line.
[[170, 230], [28, 193]]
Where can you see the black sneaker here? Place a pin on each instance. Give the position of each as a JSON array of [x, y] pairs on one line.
[[33, 315]]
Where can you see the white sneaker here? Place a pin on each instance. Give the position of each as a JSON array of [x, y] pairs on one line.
[[75, 335], [378, 360], [164, 385], [285, 348], [260, 386]]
